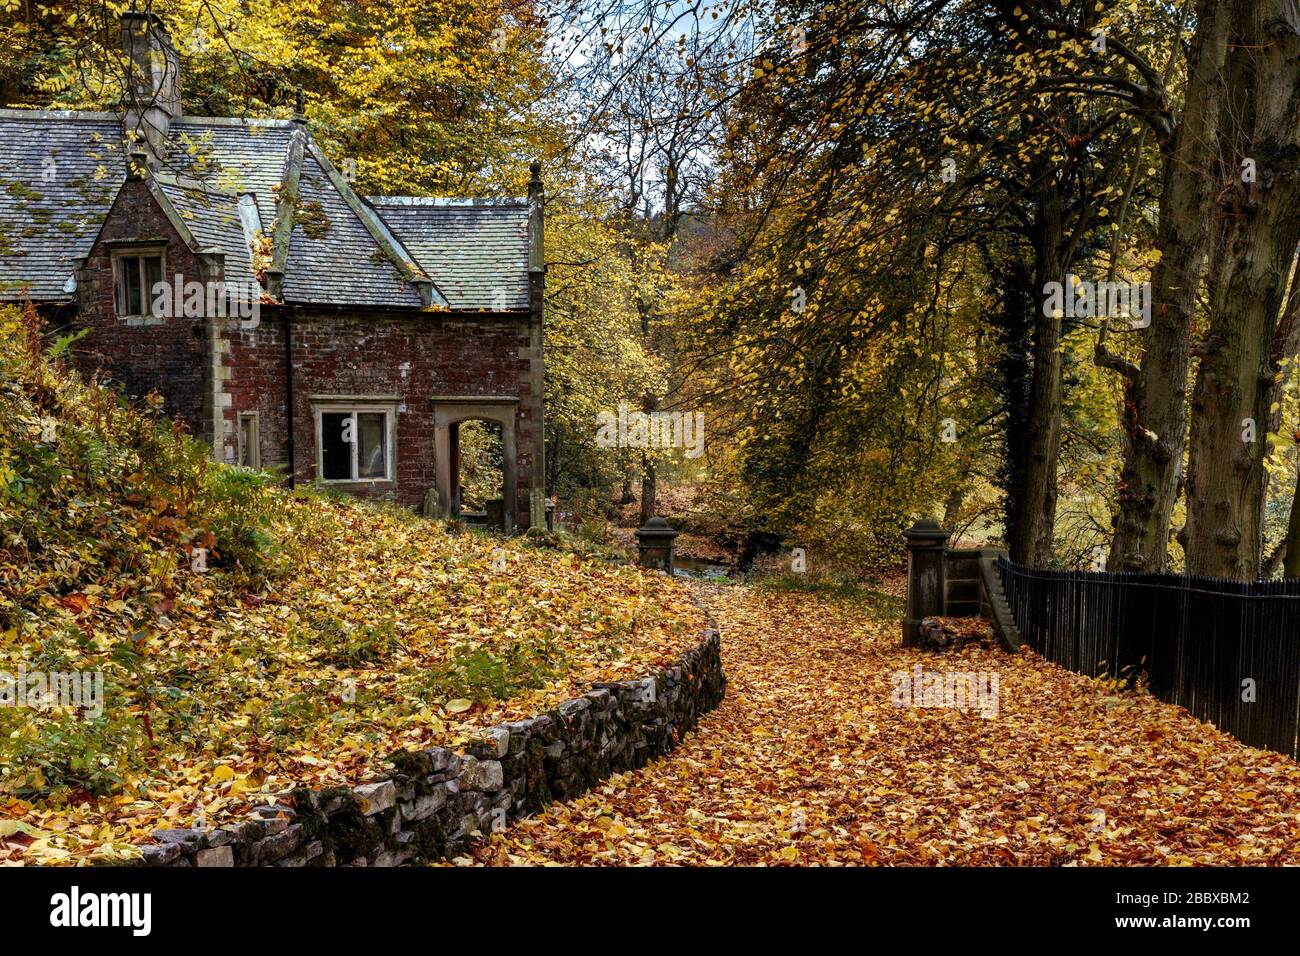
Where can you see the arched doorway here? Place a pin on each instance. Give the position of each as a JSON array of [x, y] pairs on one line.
[[449, 412]]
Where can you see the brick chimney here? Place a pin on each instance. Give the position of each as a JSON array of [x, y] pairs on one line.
[[153, 88]]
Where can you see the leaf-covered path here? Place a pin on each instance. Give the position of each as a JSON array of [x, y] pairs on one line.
[[808, 761]]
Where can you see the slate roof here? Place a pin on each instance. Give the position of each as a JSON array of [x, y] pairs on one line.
[[59, 175], [242, 156], [476, 250], [333, 258], [61, 171], [213, 218]]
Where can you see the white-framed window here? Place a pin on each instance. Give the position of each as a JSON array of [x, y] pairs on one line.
[[135, 272], [250, 441], [354, 443]]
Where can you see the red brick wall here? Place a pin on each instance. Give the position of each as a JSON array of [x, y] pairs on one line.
[[256, 384], [413, 356], [170, 358]]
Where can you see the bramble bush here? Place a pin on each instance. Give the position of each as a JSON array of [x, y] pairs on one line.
[[95, 489], [101, 500]]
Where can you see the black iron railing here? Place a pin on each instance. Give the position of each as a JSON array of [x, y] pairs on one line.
[[1228, 651]]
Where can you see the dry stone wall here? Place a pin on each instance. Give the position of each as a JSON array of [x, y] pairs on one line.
[[438, 800]]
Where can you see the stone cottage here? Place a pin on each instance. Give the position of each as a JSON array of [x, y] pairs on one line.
[[229, 265]]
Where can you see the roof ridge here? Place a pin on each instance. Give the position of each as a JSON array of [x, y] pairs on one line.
[[97, 116], [449, 201], [271, 121], [408, 267], [286, 204], [9, 112]]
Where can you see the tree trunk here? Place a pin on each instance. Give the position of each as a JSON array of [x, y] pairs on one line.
[[1286, 343], [952, 506], [1031, 543], [649, 402], [1014, 321], [1257, 227], [647, 488], [626, 497], [1291, 560], [1288, 340], [1155, 418], [1013, 331]]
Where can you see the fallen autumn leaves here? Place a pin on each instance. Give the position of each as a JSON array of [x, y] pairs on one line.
[[376, 642], [239, 640], [808, 762]]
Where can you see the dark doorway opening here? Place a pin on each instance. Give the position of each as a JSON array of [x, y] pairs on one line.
[[478, 450]]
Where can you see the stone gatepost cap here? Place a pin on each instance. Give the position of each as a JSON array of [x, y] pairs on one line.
[[656, 528], [927, 529]]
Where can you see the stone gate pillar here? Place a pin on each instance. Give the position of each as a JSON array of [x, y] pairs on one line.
[[654, 545], [927, 546]]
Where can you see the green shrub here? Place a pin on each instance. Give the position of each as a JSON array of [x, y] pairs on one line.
[[342, 644], [478, 675], [239, 506], [66, 751]]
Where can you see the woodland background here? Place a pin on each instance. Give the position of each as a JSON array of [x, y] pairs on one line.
[[828, 225]]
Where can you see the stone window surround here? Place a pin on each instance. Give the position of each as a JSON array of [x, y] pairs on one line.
[[255, 458], [336, 404], [451, 410], [118, 249]]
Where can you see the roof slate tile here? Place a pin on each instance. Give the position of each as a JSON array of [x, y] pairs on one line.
[[476, 251]]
